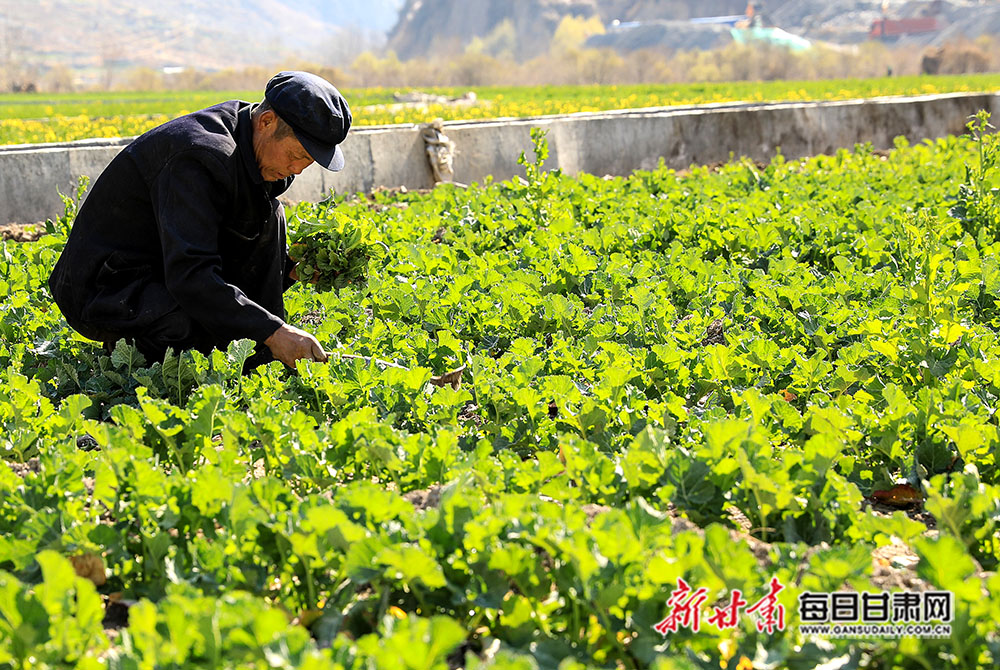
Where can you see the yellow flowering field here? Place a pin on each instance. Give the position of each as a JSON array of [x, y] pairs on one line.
[[67, 128], [33, 118]]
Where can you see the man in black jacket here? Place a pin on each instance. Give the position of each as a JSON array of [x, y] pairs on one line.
[[181, 241]]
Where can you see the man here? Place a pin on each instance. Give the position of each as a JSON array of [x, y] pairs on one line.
[[181, 241]]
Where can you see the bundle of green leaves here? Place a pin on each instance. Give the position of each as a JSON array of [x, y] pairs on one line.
[[332, 253]]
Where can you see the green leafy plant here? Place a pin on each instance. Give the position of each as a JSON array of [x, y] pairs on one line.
[[71, 204], [977, 205], [332, 252], [719, 376]]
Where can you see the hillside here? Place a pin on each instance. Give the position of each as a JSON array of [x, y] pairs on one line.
[[97, 38], [448, 26], [188, 33]]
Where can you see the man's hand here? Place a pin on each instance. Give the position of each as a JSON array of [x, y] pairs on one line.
[[288, 344]]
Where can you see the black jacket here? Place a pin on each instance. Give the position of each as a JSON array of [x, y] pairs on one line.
[[180, 218]]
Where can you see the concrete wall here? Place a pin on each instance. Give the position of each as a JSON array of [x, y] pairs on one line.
[[615, 143]]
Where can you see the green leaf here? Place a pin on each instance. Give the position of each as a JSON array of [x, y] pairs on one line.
[[945, 563], [239, 351], [410, 563], [127, 356], [899, 405]]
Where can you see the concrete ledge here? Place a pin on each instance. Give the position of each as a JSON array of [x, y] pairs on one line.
[[614, 142]]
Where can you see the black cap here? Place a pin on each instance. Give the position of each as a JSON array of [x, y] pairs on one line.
[[315, 110]]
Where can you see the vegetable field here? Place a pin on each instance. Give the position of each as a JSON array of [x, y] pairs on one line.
[[736, 377], [43, 117]]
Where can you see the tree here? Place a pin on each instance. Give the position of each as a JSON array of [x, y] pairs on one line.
[[599, 66], [59, 79], [500, 43], [475, 69], [365, 68], [573, 31], [143, 79]]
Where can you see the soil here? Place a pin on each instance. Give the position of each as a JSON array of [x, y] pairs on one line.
[[22, 232], [423, 499], [915, 512], [714, 334], [26, 468], [471, 413], [592, 510], [313, 318]]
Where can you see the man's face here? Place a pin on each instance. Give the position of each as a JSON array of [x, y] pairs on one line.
[[277, 158]]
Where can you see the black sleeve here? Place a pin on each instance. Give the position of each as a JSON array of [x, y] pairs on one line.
[[190, 200]]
